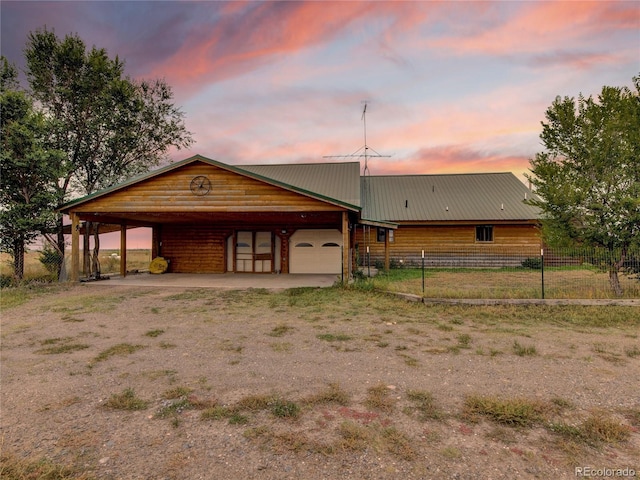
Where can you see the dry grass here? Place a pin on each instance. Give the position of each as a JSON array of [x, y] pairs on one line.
[[379, 398], [119, 349], [516, 412], [127, 400], [13, 467]]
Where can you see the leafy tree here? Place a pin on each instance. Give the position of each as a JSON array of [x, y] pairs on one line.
[[588, 177], [110, 126], [28, 170]]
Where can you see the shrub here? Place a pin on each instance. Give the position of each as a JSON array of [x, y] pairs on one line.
[[534, 263], [51, 259]]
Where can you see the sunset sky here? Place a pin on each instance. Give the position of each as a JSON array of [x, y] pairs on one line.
[[451, 86]]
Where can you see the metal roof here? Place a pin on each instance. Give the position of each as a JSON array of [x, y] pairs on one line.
[[454, 197], [339, 181]]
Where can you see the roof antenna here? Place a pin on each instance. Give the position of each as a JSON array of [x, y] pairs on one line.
[[364, 150]]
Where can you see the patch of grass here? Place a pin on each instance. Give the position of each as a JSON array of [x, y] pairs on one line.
[[597, 429], [127, 400], [382, 344], [632, 352], [378, 398], [188, 295], [330, 337], [13, 467], [281, 347], [424, 405], [285, 408], [280, 330], [523, 351], [254, 403], [119, 349], [464, 340], [238, 419], [165, 345], [516, 412], [176, 392], [216, 413], [409, 360], [60, 345], [154, 333], [332, 394]]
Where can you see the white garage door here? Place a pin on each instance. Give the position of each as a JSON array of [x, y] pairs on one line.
[[316, 251]]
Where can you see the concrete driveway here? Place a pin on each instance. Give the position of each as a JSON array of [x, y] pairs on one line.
[[231, 281]]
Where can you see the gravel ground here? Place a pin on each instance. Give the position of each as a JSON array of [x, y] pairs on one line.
[[66, 354]]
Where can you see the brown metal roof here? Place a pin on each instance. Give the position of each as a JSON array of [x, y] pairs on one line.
[[455, 197], [339, 181]]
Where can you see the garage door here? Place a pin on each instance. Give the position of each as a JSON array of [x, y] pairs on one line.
[[316, 251]]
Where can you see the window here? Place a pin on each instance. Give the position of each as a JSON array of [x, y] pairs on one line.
[[304, 244], [484, 233], [381, 234], [330, 244]]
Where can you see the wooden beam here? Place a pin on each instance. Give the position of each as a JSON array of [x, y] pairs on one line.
[[345, 247], [386, 249], [123, 249], [75, 247]]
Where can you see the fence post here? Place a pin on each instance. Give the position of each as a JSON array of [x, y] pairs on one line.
[[422, 273], [542, 269], [368, 263]]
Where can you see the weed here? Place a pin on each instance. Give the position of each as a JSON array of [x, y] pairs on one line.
[[600, 427], [176, 392], [280, 330], [517, 412], [382, 344], [378, 398], [285, 408], [238, 419], [126, 400], [119, 349], [215, 413], [165, 345], [64, 348], [494, 352], [332, 394], [632, 352], [281, 347], [330, 337], [464, 339], [562, 403], [633, 415], [154, 333], [13, 467], [409, 360], [451, 453], [444, 327], [523, 351], [254, 403], [424, 405]]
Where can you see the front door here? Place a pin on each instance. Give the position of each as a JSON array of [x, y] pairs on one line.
[[254, 252]]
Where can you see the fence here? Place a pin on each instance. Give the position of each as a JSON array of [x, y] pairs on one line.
[[472, 272]]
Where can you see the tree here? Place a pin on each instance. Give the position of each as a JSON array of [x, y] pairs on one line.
[[109, 126], [588, 177], [28, 170]]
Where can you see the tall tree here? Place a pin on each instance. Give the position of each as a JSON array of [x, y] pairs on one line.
[[28, 170], [109, 126], [588, 177]]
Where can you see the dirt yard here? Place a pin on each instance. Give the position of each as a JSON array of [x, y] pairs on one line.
[[132, 383]]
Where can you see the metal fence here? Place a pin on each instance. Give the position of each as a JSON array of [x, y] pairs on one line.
[[475, 272]]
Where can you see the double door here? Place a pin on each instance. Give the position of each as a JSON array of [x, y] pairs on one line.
[[254, 252]]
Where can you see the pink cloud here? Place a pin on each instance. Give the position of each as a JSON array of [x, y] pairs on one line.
[[540, 26]]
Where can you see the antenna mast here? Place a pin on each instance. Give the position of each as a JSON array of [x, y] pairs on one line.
[[364, 150]]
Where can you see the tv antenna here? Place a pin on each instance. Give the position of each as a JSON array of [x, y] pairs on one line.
[[365, 150]]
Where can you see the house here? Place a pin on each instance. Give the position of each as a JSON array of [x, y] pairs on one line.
[[210, 217]]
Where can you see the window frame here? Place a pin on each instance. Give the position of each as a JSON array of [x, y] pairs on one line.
[[484, 233]]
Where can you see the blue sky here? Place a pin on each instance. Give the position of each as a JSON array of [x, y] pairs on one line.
[[450, 86]]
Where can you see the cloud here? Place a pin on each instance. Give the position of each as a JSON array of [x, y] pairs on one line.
[[537, 27]]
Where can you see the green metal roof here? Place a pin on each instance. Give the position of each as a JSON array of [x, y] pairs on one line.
[[454, 197], [339, 181]]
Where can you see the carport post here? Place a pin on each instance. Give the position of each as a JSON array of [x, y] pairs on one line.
[[75, 247], [123, 249], [345, 247]]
